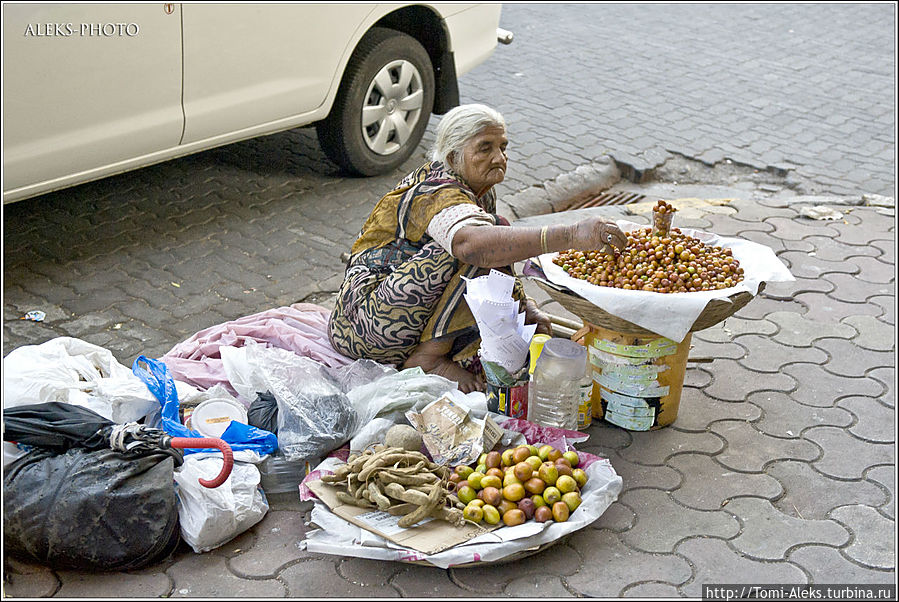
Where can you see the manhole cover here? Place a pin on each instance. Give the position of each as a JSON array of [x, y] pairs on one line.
[[610, 197]]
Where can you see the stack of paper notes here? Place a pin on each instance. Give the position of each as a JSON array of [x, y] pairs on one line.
[[505, 338]]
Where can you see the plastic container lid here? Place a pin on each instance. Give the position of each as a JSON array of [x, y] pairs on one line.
[[536, 349], [212, 417]]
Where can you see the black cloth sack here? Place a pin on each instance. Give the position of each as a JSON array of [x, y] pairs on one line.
[[95, 510]]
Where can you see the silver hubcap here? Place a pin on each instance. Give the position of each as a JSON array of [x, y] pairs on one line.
[[392, 107]]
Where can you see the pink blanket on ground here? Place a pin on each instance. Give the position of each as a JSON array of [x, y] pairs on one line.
[[301, 328]]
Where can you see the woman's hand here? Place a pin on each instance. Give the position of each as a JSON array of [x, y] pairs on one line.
[[598, 233], [533, 315]]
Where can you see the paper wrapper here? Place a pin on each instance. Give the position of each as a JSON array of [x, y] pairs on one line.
[[451, 434], [672, 314]]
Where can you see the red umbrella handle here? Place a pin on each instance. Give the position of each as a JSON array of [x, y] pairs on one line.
[[200, 443]]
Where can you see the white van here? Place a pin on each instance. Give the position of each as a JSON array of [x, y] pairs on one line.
[[92, 90]]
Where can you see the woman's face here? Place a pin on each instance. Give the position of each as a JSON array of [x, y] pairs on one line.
[[484, 163]]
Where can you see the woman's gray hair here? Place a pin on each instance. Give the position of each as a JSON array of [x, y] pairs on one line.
[[458, 127]]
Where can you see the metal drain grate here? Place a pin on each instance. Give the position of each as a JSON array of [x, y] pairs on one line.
[[610, 197]]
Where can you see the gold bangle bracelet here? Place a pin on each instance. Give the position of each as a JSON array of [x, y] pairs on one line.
[[543, 239]]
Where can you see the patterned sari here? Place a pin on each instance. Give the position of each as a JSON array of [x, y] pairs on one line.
[[402, 288]]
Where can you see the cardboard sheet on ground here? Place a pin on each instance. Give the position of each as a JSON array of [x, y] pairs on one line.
[[672, 314], [342, 531]]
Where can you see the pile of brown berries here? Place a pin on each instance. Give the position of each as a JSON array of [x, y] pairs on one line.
[[670, 262]]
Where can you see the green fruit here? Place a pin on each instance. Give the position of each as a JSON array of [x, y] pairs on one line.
[[474, 479], [463, 471], [534, 450], [543, 452], [466, 494], [538, 500], [572, 499], [491, 514], [572, 458], [549, 473], [552, 495], [482, 468], [566, 484], [473, 513], [580, 475]]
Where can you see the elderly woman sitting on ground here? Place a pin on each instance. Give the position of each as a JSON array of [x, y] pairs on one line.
[[401, 301]]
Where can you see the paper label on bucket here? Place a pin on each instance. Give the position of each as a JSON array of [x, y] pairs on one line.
[[629, 406], [631, 423], [636, 387], [658, 348]]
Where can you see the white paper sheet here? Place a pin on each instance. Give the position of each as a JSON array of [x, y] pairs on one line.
[[505, 338], [672, 314]]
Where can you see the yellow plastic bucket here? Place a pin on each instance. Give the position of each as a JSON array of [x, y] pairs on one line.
[[637, 379]]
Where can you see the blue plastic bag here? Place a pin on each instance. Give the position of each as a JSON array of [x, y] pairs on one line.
[[238, 435]]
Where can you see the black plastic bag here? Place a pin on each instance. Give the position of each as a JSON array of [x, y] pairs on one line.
[[97, 510], [263, 413]]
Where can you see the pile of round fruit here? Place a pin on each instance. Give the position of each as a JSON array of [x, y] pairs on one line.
[[670, 262], [519, 484]]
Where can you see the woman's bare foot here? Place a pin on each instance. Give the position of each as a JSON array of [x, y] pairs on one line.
[[433, 358]]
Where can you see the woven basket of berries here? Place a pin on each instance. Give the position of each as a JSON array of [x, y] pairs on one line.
[[658, 259]]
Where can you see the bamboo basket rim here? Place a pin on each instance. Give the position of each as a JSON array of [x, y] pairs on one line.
[[715, 311]]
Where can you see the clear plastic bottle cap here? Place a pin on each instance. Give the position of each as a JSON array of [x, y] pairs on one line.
[[565, 349]]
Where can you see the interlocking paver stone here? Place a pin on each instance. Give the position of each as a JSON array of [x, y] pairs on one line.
[[733, 382], [873, 269], [724, 225], [799, 229], [803, 486], [768, 533], [652, 448], [749, 450], [804, 266], [852, 289], [886, 377], [787, 291], [782, 416], [874, 421], [768, 355], [696, 378], [822, 389], [367, 572], [616, 518], [28, 580], [800, 331], [737, 326], [537, 586], [651, 591], [886, 478], [189, 577], [274, 545], [823, 308], [319, 578], [715, 350], [750, 210], [78, 584], [620, 565], [427, 582], [760, 306], [697, 411], [829, 565], [848, 359], [707, 485], [887, 250], [832, 248], [888, 305], [634, 474], [845, 456], [877, 533], [717, 562], [663, 522], [872, 333]]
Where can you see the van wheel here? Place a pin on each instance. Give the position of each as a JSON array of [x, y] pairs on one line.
[[383, 105]]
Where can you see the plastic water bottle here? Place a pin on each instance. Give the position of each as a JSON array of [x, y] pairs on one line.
[[556, 384]]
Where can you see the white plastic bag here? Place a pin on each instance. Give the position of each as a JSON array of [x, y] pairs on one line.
[[73, 371], [212, 517]]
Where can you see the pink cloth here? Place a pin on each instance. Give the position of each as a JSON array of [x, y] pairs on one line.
[[301, 328]]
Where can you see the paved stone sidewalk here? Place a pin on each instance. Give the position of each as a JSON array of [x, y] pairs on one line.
[[778, 469]]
